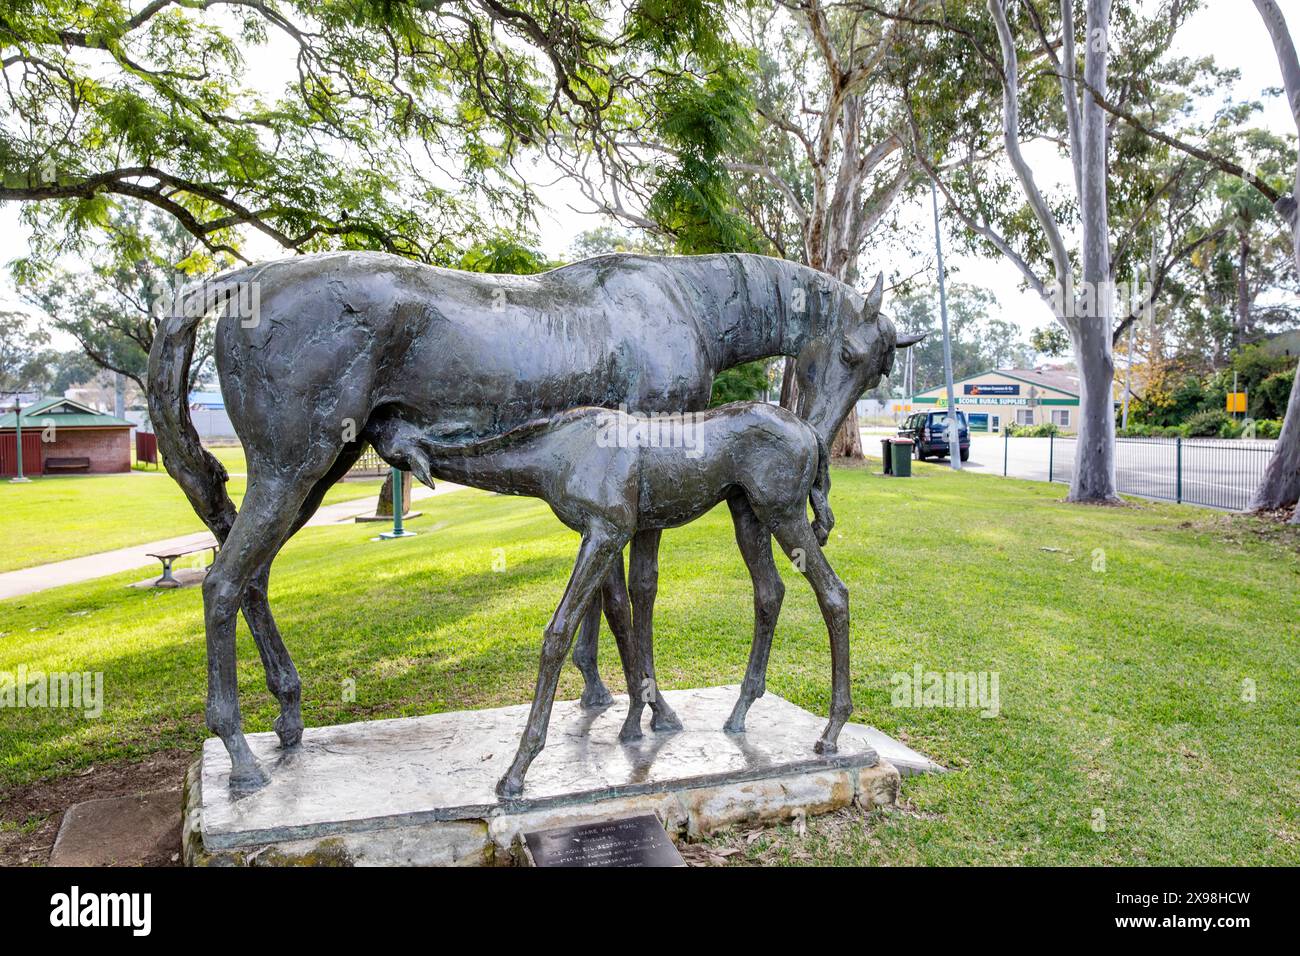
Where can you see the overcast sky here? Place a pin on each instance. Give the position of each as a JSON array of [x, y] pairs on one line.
[[1230, 30]]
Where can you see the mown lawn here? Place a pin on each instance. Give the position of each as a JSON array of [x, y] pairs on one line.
[[1123, 692], [68, 516]]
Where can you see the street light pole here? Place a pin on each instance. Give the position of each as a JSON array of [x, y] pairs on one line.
[[953, 429], [18, 442]]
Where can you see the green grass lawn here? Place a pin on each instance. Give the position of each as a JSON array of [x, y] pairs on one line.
[[1121, 690], [68, 516]]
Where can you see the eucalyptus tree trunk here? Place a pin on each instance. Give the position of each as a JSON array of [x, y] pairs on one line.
[[1090, 332], [1086, 312], [1280, 486]]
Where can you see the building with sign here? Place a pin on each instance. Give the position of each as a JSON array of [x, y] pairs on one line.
[[1024, 396]]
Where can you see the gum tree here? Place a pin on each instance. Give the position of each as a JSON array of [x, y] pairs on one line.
[[397, 127], [789, 140], [1280, 486], [1051, 72]]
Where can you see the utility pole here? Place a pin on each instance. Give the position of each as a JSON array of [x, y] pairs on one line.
[[953, 429], [1128, 376]]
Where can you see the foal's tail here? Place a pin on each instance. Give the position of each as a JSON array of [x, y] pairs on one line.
[[200, 475], [823, 518]]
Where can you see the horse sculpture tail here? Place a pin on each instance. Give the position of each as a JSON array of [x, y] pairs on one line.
[[824, 519], [200, 475]]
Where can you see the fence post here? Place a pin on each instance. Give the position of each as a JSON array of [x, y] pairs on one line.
[[1006, 443], [1051, 450], [1178, 470]]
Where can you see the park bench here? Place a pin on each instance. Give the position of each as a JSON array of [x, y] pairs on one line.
[[171, 554], [67, 464]]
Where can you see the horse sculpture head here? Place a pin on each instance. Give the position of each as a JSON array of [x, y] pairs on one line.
[[832, 372]]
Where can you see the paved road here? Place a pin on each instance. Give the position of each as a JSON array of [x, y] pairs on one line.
[[91, 566], [1218, 474]]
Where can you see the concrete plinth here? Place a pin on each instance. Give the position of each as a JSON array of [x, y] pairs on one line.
[[420, 790]]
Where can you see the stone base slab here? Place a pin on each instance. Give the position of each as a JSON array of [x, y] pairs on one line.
[[419, 791]]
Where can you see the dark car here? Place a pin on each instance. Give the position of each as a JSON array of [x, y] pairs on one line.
[[928, 433]]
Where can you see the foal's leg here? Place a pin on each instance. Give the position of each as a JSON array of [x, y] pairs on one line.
[[594, 692], [643, 585], [794, 533], [755, 543], [600, 546], [267, 514], [619, 614]]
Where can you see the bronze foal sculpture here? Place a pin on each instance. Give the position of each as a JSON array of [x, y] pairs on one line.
[[342, 345], [608, 491]]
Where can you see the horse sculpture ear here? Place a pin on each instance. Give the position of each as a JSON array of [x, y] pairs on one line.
[[877, 294], [904, 341]]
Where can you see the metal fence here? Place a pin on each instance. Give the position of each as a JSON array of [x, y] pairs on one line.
[[1217, 473], [369, 463]]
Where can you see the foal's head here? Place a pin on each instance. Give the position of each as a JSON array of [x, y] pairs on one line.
[[834, 371]]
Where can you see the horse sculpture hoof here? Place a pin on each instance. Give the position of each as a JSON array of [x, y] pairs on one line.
[[596, 696], [290, 734], [734, 725], [248, 778], [665, 722], [508, 787], [825, 747], [630, 732]]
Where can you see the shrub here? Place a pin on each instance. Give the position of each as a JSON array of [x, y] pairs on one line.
[[1270, 399], [1206, 424], [1268, 427], [1138, 430], [1032, 431]]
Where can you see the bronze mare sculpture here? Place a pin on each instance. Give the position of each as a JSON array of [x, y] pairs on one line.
[[344, 344], [608, 490]]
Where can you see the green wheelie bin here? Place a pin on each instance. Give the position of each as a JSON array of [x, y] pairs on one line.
[[900, 453]]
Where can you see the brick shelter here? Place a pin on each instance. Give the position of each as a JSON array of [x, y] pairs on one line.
[[60, 434]]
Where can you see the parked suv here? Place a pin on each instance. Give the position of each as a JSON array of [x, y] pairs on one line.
[[927, 431]]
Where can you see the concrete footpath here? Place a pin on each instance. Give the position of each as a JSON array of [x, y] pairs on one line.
[[92, 566]]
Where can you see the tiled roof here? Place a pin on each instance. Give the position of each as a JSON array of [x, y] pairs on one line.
[[64, 413]]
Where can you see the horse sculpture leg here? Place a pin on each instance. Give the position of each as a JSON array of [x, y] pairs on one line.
[[755, 543], [267, 515], [795, 534], [619, 614], [594, 692], [643, 586], [281, 676], [600, 546]]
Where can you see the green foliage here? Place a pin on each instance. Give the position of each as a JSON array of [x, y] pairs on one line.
[[1271, 396], [1268, 428], [1043, 430], [705, 121], [741, 384], [503, 255], [1210, 423], [1138, 430], [399, 130], [1050, 340]]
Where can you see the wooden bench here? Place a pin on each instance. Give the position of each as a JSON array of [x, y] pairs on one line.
[[171, 554], [67, 464]]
